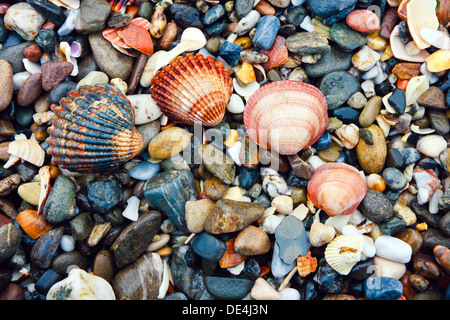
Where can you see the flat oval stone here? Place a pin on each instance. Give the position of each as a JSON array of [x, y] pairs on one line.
[[140, 280], [290, 236], [169, 142], [346, 38], [382, 288], [218, 163], [372, 157], [392, 248], [60, 204], [145, 170], [224, 288], [45, 248], [306, 43], [30, 91], [135, 238], [6, 84], [333, 60], [208, 247], [376, 206], [338, 87], [266, 30], [63, 262], [229, 216], [11, 236]]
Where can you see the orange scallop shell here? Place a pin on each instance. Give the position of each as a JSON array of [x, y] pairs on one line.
[[33, 223], [193, 89], [137, 37], [286, 116], [336, 188], [278, 54]]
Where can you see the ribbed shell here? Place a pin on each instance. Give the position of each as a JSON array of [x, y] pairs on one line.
[[287, 116], [343, 252], [336, 188], [93, 130], [193, 89]]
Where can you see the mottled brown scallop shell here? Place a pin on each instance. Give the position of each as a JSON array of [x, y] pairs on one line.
[[93, 130], [193, 89]]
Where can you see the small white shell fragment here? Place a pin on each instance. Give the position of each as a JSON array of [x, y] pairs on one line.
[[145, 108], [31, 67], [234, 152], [431, 145], [433, 204], [416, 86], [246, 91], [132, 210], [236, 105], [165, 280], [307, 25], [19, 78], [300, 212], [28, 150], [271, 223], [67, 243], [80, 285], [236, 270]]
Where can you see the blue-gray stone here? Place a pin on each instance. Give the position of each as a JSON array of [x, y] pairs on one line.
[[324, 141], [208, 246], [346, 114], [216, 28], [3, 30], [169, 191], [12, 39], [60, 204], [328, 8], [382, 288], [333, 60], [328, 279], [266, 30], [394, 178], [398, 100], [290, 236], [61, 90], [46, 281], [185, 16], [411, 155], [214, 14], [103, 195], [145, 170], [338, 87], [46, 40], [49, 10], [186, 278], [230, 52], [247, 177], [225, 288]]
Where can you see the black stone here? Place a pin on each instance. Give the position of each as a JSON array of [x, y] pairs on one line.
[[225, 288], [46, 281], [46, 40], [392, 226], [61, 90], [338, 87], [185, 16], [362, 270], [394, 158], [328, 279], [49, 10], [366, 136], [248, 177], [423, 214], [295, 15], [398, 100], [439, 121], [346, 114], [376, 207]]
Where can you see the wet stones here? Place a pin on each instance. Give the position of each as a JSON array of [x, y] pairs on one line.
[[169, 191], [291, 239], [346, 38], [372, 157], [93, 15], [338, 87], [266, 30], [186, 16], [305, 43], [103, 195], [30, 91], [376, 206], [229, 216], [60, 204], [10, 236], [219, 164], [135, 238], [6, 84]]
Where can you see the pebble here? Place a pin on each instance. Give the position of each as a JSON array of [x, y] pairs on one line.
[[196, 213], [252, 241], [392, 248], [103, 195], [333, 60], [291, 238], [307, 43], [208, 247], [376, 206], [223, 288], [394, 178], [262, 290], [338, 87], [61, 202], [346, 38], [382, 288], [372, 157], [24, 19], [364, 21]]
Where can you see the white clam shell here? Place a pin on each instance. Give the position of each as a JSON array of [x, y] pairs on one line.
[[343, 252], [236, 105], [28, 150], [435, 38], [145, 108], [416, 86], [399, 51], [431, 145]]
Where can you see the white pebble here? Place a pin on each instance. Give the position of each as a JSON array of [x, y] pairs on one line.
[[393, 249], [19, 78], [369, 88], [433, 204], [67, 243], [307, 25], [132, 210], [289, 294], [271, 223], [31, 67], [69, 24], [236, 105]]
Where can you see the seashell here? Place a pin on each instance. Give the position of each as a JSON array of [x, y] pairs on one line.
[[399, 51], [192, 39], [33, 223], [295, 122], [247, 90], [436, 38], [421, 14], [93, 130], [306, 264], [438, 61], [137, 37], [117, 5], [401, 10], [343, 252], [277, 54], [45, 176], [231, 258], [72, 4], [336, 188], [415, 88], [431, 145], [349, 135], [28, 150], [193, 89]]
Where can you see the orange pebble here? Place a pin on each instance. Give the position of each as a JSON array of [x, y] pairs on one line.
[[48, 25], [133, 10], [54, 172], [376, 182], [401, 84], [265, 8], [421, 226]]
